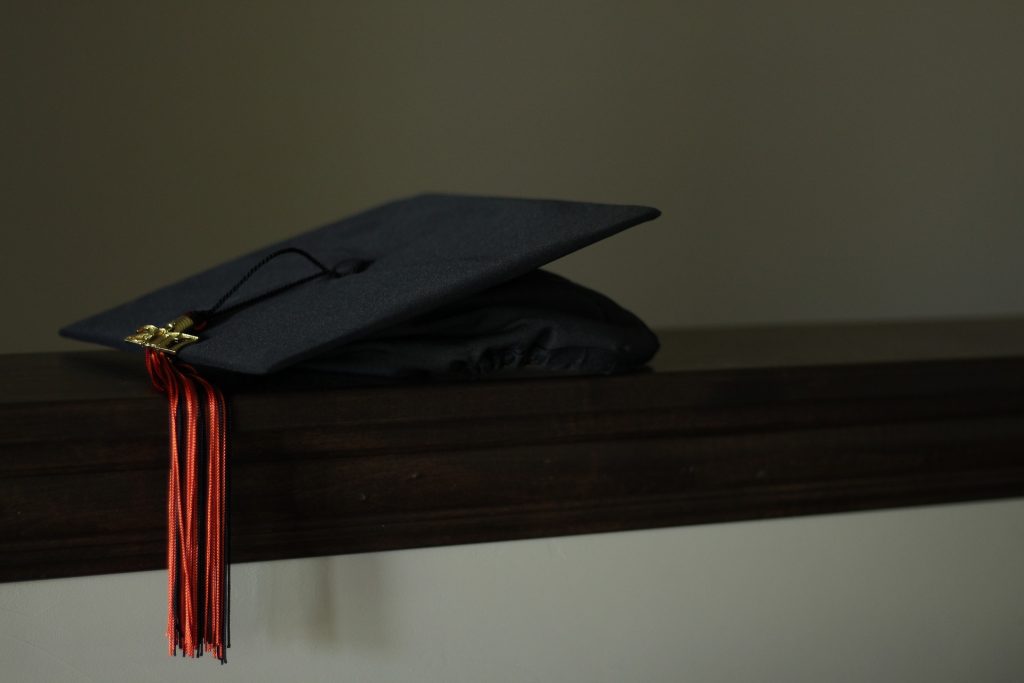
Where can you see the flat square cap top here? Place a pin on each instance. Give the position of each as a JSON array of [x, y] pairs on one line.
[[417, 254]]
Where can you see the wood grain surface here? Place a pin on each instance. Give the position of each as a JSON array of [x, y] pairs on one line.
[[728, 425]]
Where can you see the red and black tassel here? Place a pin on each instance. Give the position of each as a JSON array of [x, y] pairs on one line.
[[198, 582], [197, 525]]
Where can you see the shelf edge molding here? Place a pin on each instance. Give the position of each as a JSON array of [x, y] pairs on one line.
[[331, 470]]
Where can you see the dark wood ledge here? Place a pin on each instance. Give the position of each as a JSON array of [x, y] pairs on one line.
[[729, 424]]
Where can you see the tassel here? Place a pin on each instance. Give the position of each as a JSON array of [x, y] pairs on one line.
[[198, 580], [197, 565]]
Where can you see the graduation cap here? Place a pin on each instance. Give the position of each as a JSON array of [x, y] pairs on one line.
[[433, 286]]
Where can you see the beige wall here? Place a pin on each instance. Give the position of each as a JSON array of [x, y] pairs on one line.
[[814, 161], [930, 595]]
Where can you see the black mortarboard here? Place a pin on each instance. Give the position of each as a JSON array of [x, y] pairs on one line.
[[434, 286]]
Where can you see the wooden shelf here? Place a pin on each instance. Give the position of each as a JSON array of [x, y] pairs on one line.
[[729, 424]]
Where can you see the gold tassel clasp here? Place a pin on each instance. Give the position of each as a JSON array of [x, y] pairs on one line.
[[169, 339]]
